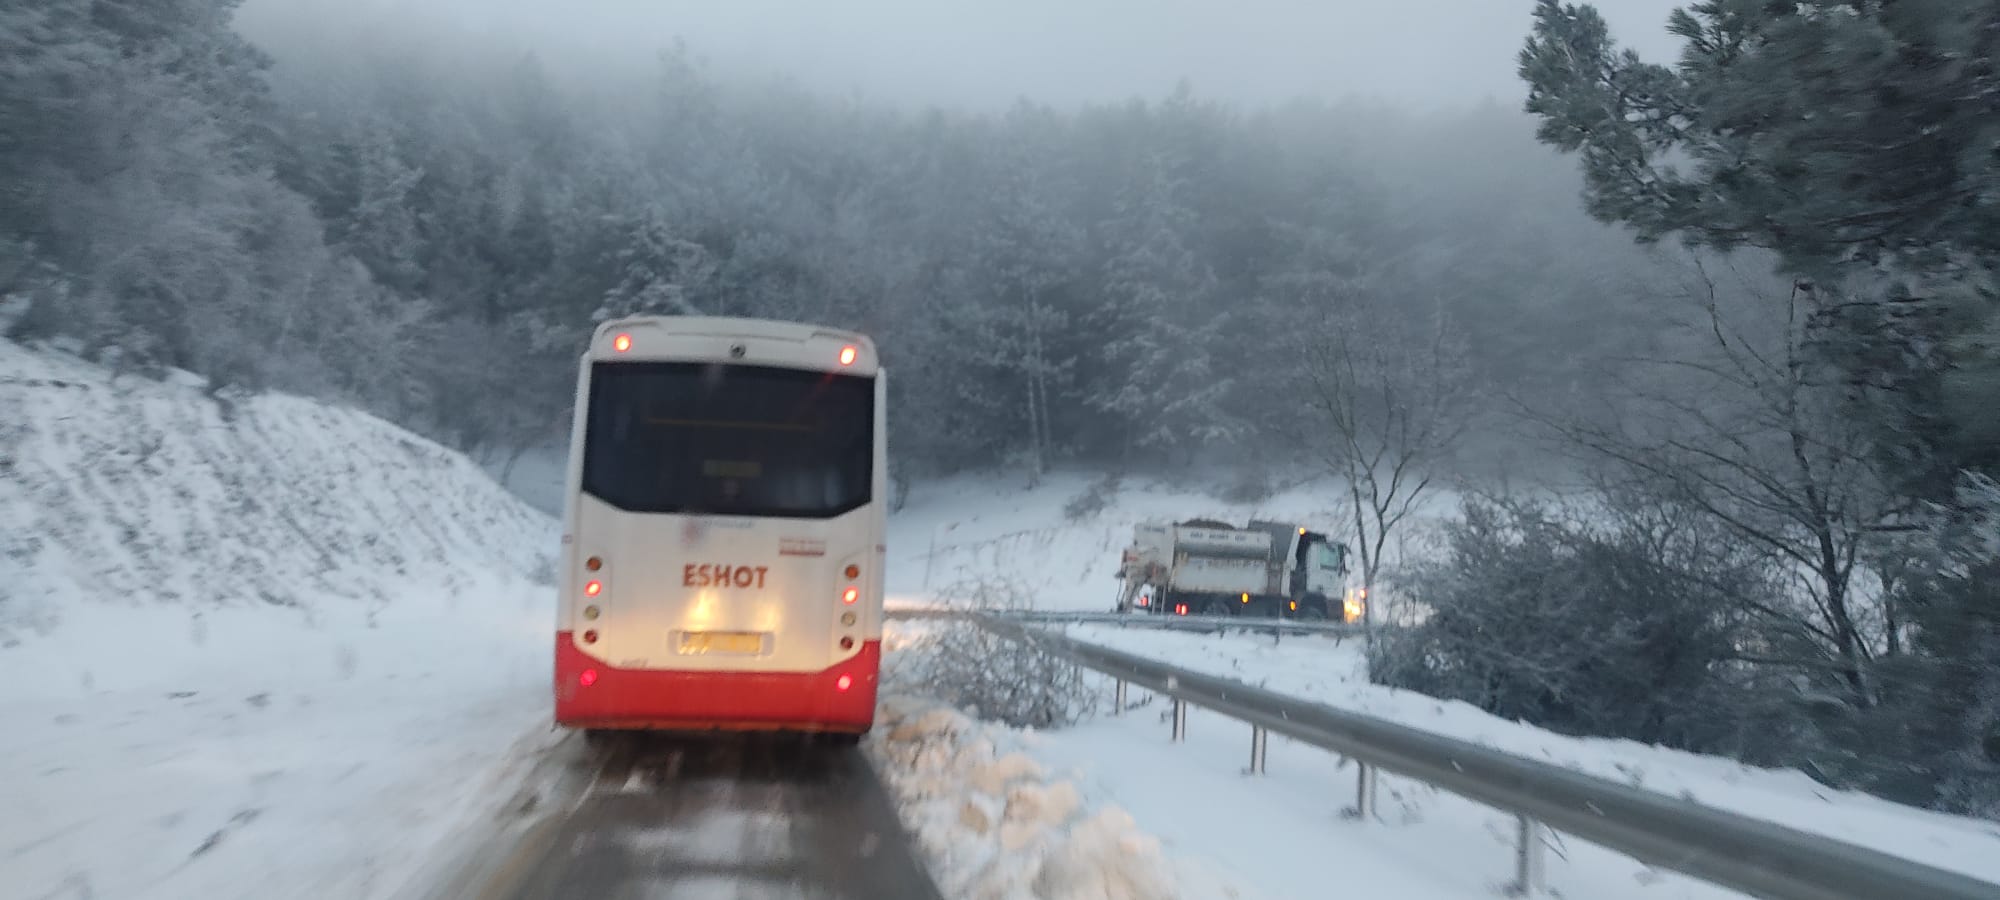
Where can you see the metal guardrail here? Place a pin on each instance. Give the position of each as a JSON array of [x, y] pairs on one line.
[[1749, 855], [1159, 621]]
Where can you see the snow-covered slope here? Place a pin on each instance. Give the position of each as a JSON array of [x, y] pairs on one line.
[[276, 651], [138, 492]]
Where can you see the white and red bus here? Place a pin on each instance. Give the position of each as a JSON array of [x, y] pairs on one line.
[[723, 545]]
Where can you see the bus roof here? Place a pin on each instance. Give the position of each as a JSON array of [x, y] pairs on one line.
[[733, 340]]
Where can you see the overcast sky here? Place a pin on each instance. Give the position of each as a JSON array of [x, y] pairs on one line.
[[1420, 53]]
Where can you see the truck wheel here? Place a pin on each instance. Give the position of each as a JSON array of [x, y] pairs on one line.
[[1313, 607]]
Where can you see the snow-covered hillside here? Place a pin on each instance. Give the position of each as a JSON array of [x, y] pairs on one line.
[[278, 650], [133, 491]]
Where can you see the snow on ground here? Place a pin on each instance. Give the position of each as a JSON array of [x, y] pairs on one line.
[[1318, 669], [1190, 813], [996, 824], [1279, 835], [282, 650]]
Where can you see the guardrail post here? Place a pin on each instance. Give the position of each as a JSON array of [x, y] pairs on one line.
[[1118, 698], [1364, 792], [1529, 861], [1180, 720], [1257, 742]]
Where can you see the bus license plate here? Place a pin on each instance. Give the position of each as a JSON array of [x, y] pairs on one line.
[[695, 643]]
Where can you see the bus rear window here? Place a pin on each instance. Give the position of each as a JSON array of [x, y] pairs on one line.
[[730, 440]]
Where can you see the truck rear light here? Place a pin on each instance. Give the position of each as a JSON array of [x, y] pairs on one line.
[[1180, 609], [1145, 600]]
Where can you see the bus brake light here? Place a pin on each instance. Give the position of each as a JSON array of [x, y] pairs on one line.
[[593, 588], [845, 682], [847, 355], [588, 678], [850, 595], [622, 343]]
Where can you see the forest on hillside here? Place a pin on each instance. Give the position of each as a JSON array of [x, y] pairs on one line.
[[426, 227], [1747, 300]]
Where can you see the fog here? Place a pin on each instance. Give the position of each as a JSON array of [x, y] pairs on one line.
[[1420, 54]]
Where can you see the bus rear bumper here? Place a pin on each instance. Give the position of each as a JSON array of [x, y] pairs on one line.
[[666, 700]]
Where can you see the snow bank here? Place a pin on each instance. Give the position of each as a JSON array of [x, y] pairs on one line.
[[282, 649], [995, 824], [992, 822]]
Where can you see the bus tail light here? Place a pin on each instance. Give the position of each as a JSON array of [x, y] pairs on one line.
[[847, 355], [843, 683], [593, 564], [587, 678], [590, 637], [853, 572], [847, 643], [850, 595], [622, 343], [593, 588]]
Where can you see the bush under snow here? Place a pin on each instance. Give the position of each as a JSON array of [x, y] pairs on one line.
[[987, 675]]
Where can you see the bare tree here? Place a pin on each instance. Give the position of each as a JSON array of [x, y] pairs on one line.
[[1387, 397], [1743, 420]]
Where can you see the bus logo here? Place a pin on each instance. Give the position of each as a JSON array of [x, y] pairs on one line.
[[723, 575]]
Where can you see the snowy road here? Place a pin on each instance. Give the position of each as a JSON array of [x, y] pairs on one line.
[[757, 819]]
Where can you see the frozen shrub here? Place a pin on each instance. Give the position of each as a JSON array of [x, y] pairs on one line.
[[996, 678]]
